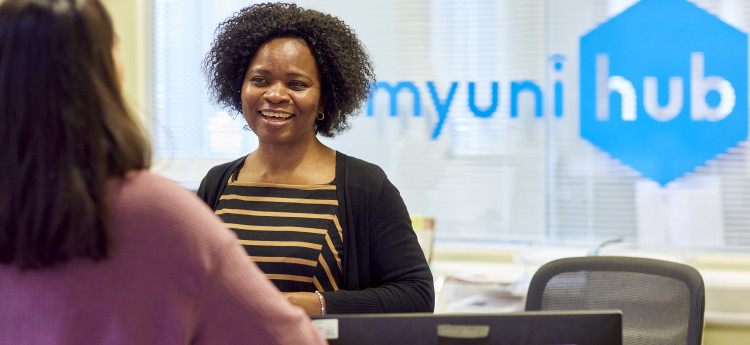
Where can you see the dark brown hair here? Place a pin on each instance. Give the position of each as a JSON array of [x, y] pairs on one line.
[[346, 71], [64, 131]]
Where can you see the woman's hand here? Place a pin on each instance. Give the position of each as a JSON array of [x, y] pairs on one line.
[[308, 301]]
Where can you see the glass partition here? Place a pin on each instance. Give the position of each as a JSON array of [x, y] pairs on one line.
[[518, 121]]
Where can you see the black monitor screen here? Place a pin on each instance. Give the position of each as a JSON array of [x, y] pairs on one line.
[[522, 328]]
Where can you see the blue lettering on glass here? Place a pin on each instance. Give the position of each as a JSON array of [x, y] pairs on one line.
[[472, 101], [393, 90], [516, 88], [557, 65], [442, 106], [663, 87]]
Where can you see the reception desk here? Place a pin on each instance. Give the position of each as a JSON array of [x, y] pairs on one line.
[[496, 279]]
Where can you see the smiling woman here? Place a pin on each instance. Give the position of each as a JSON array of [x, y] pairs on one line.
[[331, 231], [281, 96]]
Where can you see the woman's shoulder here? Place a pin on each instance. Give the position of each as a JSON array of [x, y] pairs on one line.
[[149, 200], [210, 185], [146, 186], [360, 169], [363, 179]]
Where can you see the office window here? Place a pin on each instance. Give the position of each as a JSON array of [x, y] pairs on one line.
[[504, 161]]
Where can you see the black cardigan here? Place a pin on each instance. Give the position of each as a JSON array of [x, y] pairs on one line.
[[385, 270]]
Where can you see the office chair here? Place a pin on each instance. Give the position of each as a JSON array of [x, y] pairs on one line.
[[662, 302]]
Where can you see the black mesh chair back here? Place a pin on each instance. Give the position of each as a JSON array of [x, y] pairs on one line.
[[662, 302]]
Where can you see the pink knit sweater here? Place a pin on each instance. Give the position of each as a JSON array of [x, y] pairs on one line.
[[176, 276]]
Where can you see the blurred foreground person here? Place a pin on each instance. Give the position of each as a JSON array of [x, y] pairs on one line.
[[94, 249]]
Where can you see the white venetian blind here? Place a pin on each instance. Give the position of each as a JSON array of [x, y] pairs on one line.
[[522, 179]]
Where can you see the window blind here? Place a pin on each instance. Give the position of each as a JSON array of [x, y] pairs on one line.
[[518, 173]]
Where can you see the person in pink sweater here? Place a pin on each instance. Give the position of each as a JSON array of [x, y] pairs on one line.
[[95, 249]]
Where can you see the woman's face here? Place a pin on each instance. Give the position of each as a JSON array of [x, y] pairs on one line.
[[281, 95]]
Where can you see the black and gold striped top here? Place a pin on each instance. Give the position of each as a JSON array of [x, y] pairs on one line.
[[291, 231]]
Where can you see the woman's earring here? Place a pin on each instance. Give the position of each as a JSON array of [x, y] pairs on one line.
[[321, 116]]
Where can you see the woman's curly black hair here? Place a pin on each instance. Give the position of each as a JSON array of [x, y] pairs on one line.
[[347, 74]]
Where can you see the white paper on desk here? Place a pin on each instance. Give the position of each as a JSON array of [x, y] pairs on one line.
[[481, 278]]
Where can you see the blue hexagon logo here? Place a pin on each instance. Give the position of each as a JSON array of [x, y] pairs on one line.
[[664, 87]]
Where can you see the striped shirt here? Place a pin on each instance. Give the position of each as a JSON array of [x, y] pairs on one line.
[[291, 231]]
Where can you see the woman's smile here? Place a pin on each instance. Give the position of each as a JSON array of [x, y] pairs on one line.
[[275, 117]]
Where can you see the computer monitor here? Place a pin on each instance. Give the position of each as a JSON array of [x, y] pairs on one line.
[[520, 328]]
